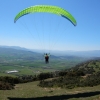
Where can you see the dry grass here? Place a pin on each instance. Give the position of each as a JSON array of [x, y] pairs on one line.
[[31, 90]]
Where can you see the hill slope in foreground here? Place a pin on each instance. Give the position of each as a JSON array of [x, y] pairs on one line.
[[31, 90]]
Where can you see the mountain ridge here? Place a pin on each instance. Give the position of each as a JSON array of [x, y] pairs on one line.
[[89, 53]]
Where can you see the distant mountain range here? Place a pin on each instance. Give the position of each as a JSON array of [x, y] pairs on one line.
[[92, 53]]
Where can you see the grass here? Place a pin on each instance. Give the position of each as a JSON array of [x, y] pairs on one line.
[[33, 92]]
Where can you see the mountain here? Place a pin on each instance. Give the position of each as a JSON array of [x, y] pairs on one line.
[[90, 53], [9, 54], [24, 53], [15, 47], [14, 53]]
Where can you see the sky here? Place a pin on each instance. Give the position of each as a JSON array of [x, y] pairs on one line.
[[49, 31]]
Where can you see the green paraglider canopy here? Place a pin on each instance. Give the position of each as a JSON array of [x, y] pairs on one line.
[[47, 8]]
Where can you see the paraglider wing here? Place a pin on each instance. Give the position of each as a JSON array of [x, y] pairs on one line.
[[49, 9]]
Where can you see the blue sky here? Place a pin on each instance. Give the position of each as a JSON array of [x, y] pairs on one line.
[[49, 31]]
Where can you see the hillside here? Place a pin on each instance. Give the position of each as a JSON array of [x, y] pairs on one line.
[[88, 65], [33, 90], [82, 75], [18, 53], [30, 91]]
